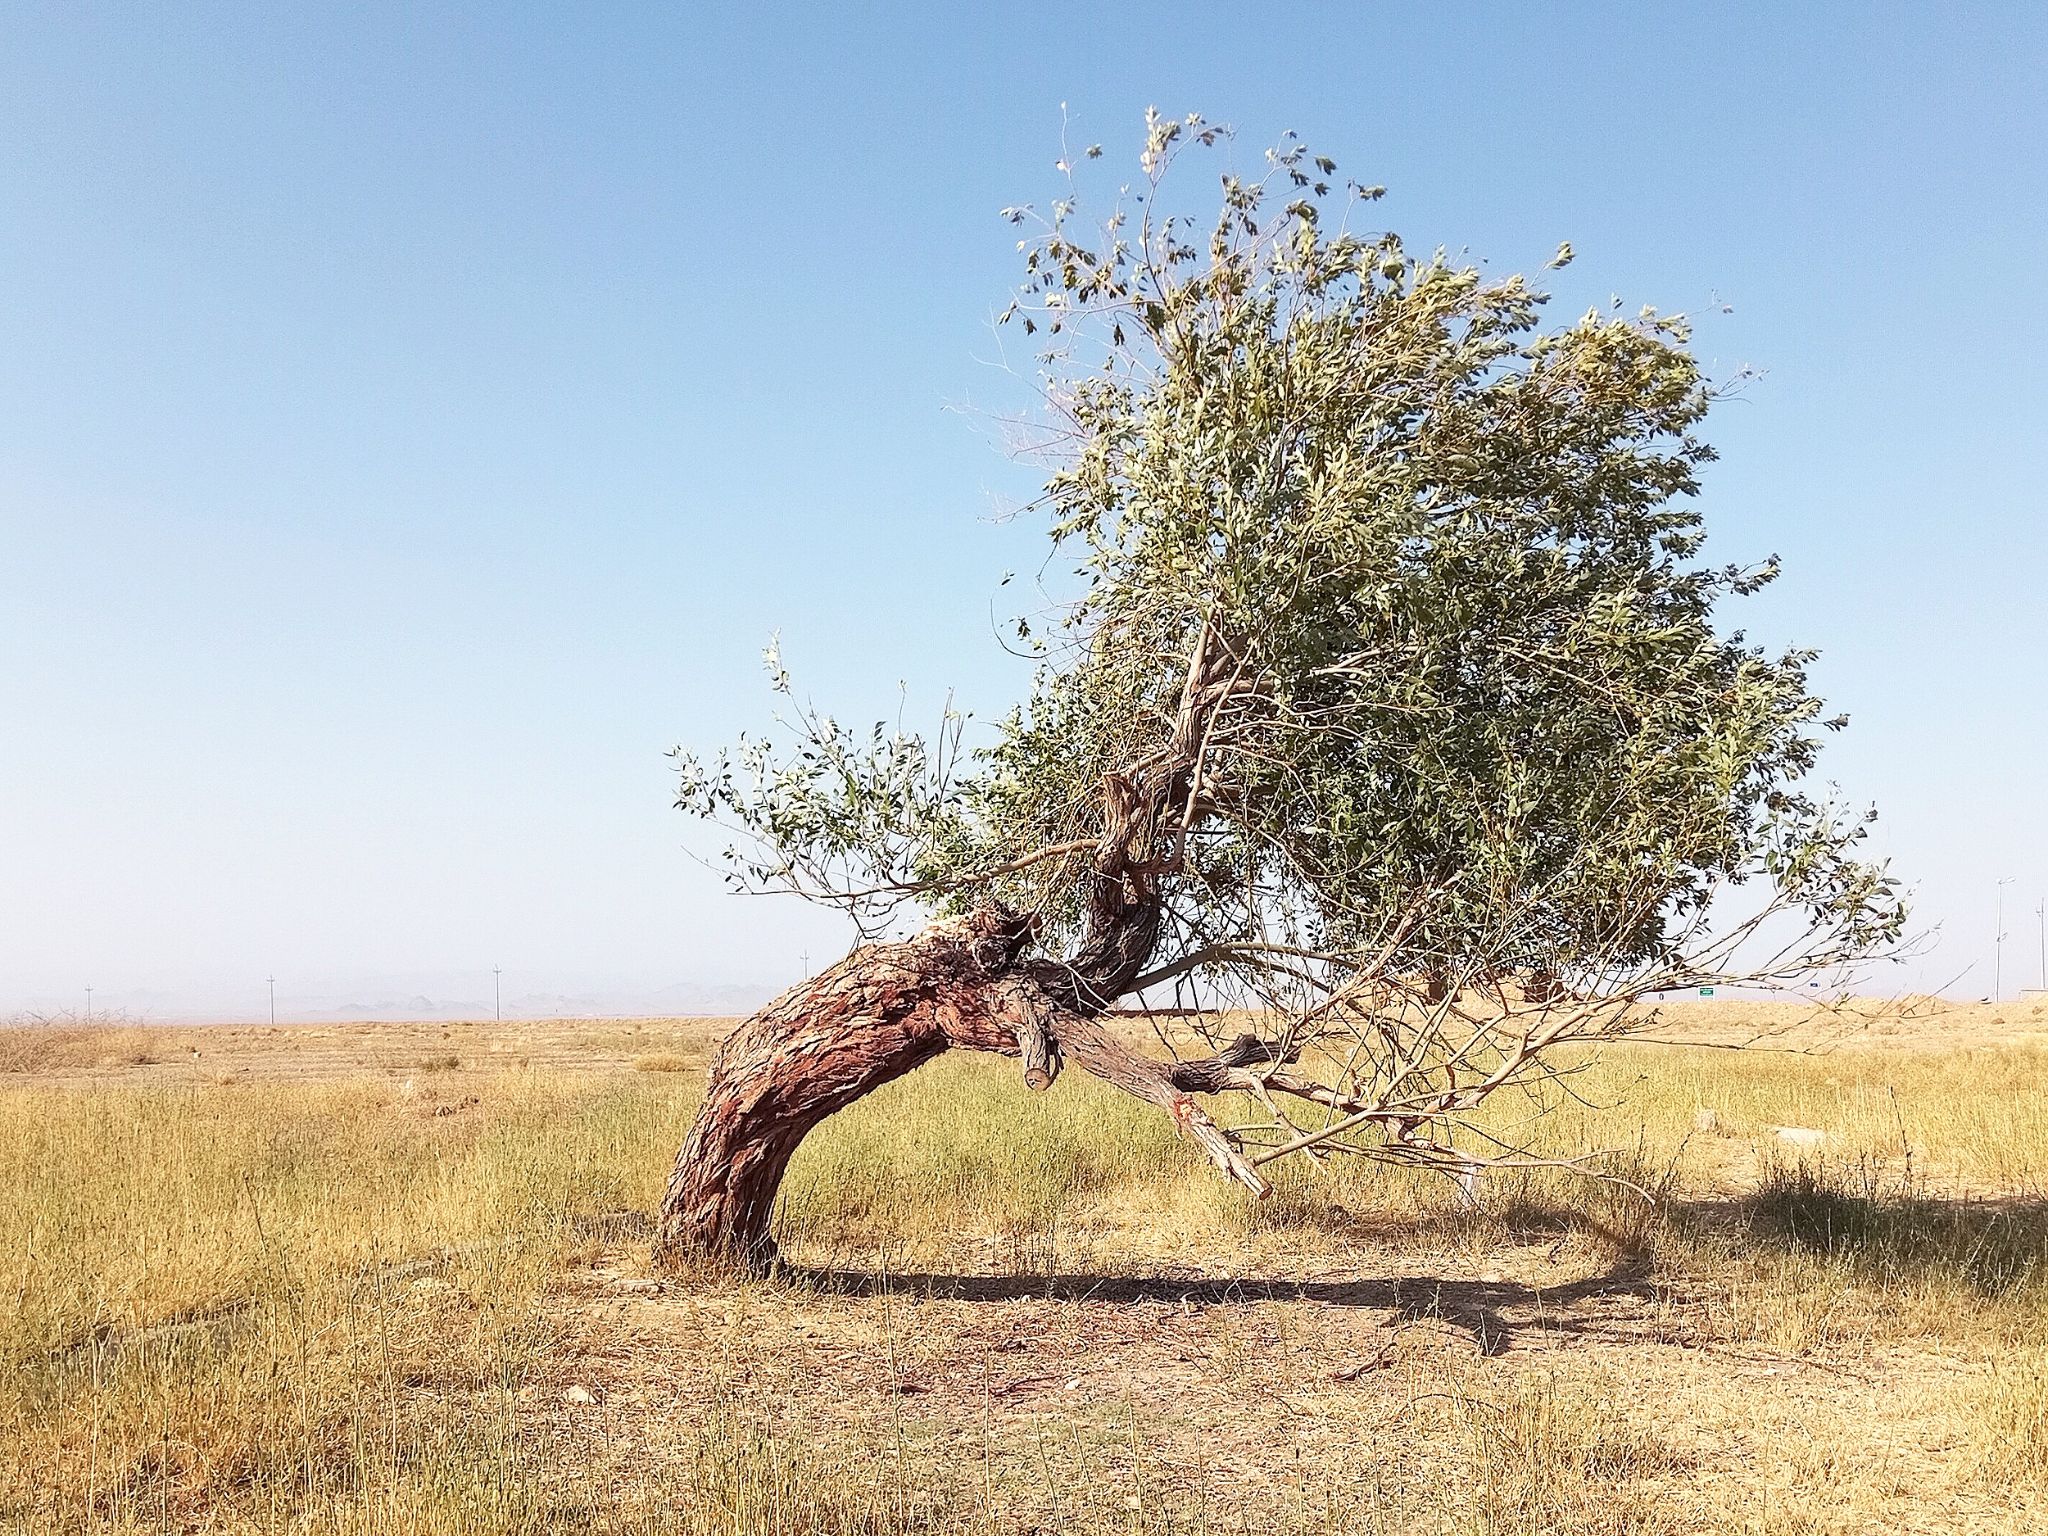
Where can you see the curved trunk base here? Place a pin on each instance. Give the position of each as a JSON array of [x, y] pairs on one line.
[[866, 1021], [874, 1016]]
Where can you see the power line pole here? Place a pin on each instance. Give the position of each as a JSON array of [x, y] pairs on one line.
[[2041, 913], [497, 996], [88, 1004], [1998, 945], [273, 1000]]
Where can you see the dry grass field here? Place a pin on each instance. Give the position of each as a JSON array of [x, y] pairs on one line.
[[393, 1278]]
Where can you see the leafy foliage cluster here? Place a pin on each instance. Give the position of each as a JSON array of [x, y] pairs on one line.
[[1392, 624]]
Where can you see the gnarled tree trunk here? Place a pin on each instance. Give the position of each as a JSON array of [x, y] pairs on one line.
[[864, 1022], [874, 1016], [889, 1008]]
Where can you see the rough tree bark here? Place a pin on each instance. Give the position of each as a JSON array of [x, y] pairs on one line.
[[889, 1008], [871, 1018]]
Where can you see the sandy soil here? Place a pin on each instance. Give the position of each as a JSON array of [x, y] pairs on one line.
[[1187, 1389]]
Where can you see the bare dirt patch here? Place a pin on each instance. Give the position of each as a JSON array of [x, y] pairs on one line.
[[1292, 1401]]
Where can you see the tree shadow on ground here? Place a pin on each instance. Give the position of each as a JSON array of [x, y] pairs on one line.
[[1893, 1237], [1492, 1312], [1886, 1230]]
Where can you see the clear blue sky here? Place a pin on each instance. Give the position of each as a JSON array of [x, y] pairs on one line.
[[413, 420]]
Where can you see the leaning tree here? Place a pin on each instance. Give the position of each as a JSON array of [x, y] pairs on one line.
[[1386, 707]]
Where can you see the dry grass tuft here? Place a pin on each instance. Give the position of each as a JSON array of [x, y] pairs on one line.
[[1893, 1232], [1550, 1458], [2008, 1418], [46, 1048]]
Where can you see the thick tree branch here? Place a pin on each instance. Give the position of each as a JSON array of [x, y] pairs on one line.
[[1031, 1017], [1085, 1041]]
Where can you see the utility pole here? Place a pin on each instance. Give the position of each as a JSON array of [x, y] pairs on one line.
[[1998, 945], [88, 1004], [2041, 915], [497, 996], [273, 1000]]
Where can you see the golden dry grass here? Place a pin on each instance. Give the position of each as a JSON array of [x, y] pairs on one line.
[[74, 1047], [395, 1299]]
